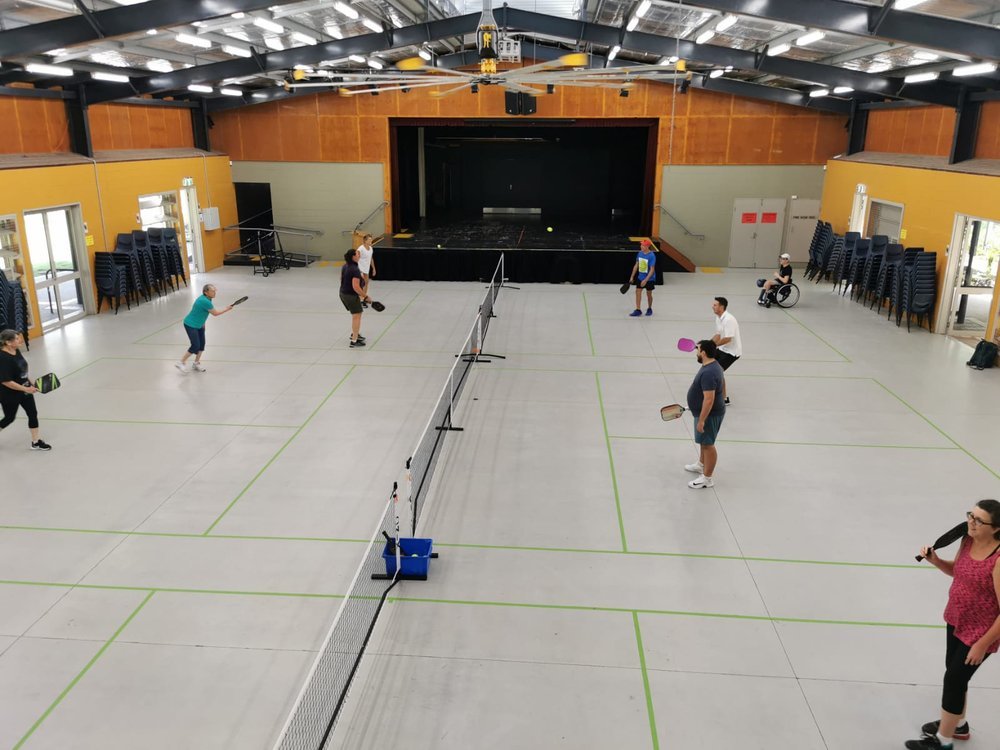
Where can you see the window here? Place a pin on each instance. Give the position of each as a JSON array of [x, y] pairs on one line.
[[885, 218], [158, 210]]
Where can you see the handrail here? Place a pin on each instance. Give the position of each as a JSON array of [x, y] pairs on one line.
[[678, 222], [278, 229], [365, 220]]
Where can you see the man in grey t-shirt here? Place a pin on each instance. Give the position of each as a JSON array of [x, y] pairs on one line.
[[706, 404]]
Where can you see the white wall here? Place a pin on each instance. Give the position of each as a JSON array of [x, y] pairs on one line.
[[702, 200], [325, 196]]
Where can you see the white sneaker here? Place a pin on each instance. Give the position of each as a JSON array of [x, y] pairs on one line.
[[701, 483], [696, 468], [182, 367], [197, 367]]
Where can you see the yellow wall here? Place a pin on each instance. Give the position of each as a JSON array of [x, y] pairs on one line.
[[930, 198], [108, 195]]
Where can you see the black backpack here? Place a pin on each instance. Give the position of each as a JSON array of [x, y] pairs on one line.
[[984, 356]]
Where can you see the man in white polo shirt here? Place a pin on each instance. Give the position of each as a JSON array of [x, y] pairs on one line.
[[727, 338]]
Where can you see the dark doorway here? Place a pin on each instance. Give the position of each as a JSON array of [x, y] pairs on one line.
[[253, 208], [598, 177]]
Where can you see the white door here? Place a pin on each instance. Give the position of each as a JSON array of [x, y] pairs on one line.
[[57, 262], [974, 279], [771, 233], [743, 235], [859, 209], [802, 216], [192, 229]]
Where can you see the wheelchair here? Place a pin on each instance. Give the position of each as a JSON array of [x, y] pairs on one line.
[[785, 295]]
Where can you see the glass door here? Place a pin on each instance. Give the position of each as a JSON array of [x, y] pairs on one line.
[[976, 279], [55, 265]]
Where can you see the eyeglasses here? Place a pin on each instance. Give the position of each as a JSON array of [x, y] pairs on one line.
[[975, 520]]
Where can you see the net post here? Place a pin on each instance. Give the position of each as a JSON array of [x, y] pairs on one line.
[[409, 495], [395, 513]]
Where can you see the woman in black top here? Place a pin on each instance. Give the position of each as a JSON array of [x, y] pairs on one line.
[[352, 294], [15, 388]]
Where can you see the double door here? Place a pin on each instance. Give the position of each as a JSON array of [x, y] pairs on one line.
[[757, 234], [53, 236]]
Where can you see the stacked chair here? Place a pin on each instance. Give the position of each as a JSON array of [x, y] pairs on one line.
[[902, 271], [842, 267], [821, 241], [887, 275], [869, 277], [111, 280], [856, 269], [144, 263], [13, 307], [831, 260], [175, 262], [919, 289]]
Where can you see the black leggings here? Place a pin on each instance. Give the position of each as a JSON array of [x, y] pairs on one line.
[[956, 674], [25, 401]]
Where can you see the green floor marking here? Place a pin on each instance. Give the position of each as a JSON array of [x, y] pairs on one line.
[[590, 333], [611, 462], [645, 682], [792, 442], [400, 315], [846, 358], [84, 367], [83, 671], [950, 439], [159, 330], [168, 423], [175, 590], [280, 451]]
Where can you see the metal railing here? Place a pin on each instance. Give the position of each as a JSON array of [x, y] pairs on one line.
[[677, 221], [380, 207], [279, 229]]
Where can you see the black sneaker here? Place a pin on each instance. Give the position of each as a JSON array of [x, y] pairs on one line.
[[358, 343], [727, 401], [361, 338], [930, 742], [40, 445], [962, 731]]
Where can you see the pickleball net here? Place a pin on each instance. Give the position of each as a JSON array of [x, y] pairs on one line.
[[311, 722]]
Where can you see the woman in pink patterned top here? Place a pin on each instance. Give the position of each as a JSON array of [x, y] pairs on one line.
[[973, 618]]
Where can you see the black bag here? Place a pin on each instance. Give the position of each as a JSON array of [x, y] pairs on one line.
[[984, 356]]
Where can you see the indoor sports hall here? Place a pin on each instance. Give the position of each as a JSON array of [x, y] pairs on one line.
[[340, 345]]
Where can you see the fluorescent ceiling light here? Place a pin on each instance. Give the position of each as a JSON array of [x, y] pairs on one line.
[[704, 36], [817, 93], [48, 70], [160, 66], [259, 95], [881, 67], [633, 22], [272, 42], [843, 90], [778, 49], [669, 60], [304, 38], [424, 54], [726, 23], [239, 15], [241, 35], [231, 92], [56, 52], [614, 52], [974, 70], [274, 28], [904, 4], [152, 32], [194, 41], [347, 10], [374, 63], [357, 59], [56, 5], [921, 54], [112, 77], [373, 25], [643, 8], [717, 73], [807, 39], [199, 88], [236, 51], [333, 31], [920, 77]]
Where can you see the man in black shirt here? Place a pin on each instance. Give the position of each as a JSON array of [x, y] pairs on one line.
[[16, 391], [352, 294], [781, 277], [705, 402]]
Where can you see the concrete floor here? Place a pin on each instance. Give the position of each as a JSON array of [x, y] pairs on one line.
[[167, 572]]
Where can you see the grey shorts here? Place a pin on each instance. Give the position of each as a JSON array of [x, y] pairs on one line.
[[712, 426], [352, 302]]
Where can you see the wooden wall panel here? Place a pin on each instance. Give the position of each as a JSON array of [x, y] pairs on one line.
[[794, 140], [831, 138], [710, 104], [913, 130], [750, 140], [988, 144], [10, 128], [374, 139], [259, 127], [339, 139], [707, 140], [225, 134], [299, 138]]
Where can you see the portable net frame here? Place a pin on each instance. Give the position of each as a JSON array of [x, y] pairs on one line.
[[317, 707]]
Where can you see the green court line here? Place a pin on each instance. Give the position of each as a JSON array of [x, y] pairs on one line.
[[563, 355], [590, 333], [171, 590], [278, 362], [462, 545], [280, 451], [393, 321], [242, 346], [84, 367], [790, 442], [159, 330], [846, 358], [611, 462], [83, 672], [952, 440], [645, 682], [165, 422]]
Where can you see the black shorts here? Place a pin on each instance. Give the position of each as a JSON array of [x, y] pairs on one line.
[[725, 359], [650, 285], [352, 303]]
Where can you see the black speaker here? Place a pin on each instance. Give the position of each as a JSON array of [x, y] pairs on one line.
[[528, 104], [511, 103]]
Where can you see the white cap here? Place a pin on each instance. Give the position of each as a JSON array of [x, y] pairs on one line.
[[786, 256]]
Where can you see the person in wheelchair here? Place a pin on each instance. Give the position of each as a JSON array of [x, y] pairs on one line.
[[781, 277]]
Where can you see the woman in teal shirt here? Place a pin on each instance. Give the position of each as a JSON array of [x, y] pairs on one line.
[[194, 326]]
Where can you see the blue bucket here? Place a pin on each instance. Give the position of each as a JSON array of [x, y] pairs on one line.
[[415, 557]]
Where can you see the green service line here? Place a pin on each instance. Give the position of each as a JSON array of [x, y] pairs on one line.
[[280, 451], [793, 442], [611, 463], [82, 672], [563, 355], [168, 423], [84, 367], [393, 321], [952, 440], [275, 362], [244, 346], [159, 330], [846, 358], [461, 545], [173, 590], [590, 332], [645, 682]]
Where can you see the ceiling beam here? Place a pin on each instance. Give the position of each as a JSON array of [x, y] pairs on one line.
[[118, 21]]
